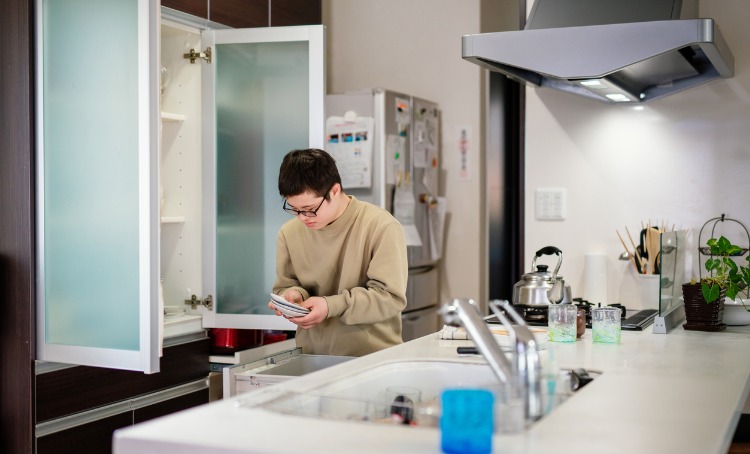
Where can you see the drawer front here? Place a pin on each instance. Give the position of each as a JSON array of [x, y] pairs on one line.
[[96, 436], [171, 406], [422, 289], [420, 323], [92, 438], [75, 389]]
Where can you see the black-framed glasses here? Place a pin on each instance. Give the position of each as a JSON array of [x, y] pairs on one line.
[[306, 213]]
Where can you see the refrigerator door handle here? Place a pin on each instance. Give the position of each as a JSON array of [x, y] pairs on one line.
[[428, 199], [421, 269]]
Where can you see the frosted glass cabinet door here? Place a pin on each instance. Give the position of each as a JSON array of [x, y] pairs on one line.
[[263, 96], [97, 170]]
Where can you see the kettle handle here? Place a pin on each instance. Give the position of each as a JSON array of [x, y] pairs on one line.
[[548, 250]]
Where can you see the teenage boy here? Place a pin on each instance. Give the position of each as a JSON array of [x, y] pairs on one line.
[[342, 258]]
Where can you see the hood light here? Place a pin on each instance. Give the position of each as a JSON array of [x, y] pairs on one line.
[[607, 89], [618, 97], [592, 84]]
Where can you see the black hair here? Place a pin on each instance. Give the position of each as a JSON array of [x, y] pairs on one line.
[[306, 170]]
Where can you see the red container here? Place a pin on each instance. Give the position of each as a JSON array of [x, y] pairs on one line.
[[271, 336], [230, 340]]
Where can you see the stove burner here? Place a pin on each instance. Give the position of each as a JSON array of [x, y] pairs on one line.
[[537, 316]]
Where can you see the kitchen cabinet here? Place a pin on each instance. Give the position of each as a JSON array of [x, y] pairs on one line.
[[20, 272], [252, 13], [110, 145], [82, 406], [261, 96]]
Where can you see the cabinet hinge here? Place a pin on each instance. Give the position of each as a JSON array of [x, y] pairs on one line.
[[194, 55], [207, 302]]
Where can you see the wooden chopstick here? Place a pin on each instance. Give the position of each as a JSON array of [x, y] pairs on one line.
[[630, 255], [637, 255]]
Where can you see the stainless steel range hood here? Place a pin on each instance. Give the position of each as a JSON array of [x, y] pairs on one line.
[[615, 51]]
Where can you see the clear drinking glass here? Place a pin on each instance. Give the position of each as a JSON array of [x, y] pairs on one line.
[[562, 322], [510, 414], [605, 324]]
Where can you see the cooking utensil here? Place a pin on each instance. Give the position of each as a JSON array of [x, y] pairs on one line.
[[627, 254], [649, 248], [540, 288], [638, 257]]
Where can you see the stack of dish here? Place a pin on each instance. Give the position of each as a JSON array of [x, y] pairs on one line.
[[287, 308]]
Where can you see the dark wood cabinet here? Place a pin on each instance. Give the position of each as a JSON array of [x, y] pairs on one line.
[[170, 406], [252, 13], [240, 13], [295, 12], [92, 438], [198, 8], [82, 406], [96, 437], [75, 389]]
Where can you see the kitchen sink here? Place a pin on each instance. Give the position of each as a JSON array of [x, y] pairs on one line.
[[362, 396]]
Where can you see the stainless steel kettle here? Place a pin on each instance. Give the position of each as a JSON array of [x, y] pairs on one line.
[[540, 288]]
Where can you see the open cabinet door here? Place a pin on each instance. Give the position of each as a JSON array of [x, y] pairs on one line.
[[97, 220], [263, 96]]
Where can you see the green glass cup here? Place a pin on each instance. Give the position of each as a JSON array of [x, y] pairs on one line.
[[605, 325], [561, 322]]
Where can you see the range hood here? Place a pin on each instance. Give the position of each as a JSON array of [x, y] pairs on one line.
[[614, 51]]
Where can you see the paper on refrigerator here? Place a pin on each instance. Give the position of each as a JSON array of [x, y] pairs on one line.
[[403, 210], [349, 140]]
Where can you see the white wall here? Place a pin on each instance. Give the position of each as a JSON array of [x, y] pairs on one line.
[[415, 47], [620, 166], [682, 159]]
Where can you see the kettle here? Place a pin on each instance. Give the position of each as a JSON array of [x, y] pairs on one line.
[[540, 288]]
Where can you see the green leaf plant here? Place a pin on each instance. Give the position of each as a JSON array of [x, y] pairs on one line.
[[724, 273]]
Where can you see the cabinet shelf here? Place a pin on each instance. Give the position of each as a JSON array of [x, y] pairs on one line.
[[172, 219], [169, 116]]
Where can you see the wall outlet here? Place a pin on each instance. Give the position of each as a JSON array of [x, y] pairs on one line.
[[551, 204]]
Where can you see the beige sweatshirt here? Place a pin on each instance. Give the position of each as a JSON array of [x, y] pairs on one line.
[[358, 263]]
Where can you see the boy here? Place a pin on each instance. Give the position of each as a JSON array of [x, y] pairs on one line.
[[342, 258]]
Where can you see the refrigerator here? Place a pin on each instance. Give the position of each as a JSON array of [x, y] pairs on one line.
[[386, 146]]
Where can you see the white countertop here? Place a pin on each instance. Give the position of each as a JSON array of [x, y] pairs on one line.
[[681, 392]]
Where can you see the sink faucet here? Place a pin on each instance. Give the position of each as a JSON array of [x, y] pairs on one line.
[[526, 368]]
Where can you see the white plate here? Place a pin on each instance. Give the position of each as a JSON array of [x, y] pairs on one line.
[[298, 309], [287, 308], [289, 312], [279, 301]]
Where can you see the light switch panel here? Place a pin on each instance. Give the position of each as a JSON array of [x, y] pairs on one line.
[[550, 204]]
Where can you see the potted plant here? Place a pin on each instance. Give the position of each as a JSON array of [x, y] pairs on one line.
[[704, 297], [736, 309]]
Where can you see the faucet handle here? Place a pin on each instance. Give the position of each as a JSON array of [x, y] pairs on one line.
[[450, 310], [497, 305]]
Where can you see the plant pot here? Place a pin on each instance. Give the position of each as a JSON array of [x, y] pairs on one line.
[[700, 315]]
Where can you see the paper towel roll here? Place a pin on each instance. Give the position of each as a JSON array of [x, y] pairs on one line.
[[595, 278]]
